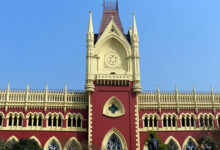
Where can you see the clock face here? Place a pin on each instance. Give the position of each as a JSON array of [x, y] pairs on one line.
[[112, 60]]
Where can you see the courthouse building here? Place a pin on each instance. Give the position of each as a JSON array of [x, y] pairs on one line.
[[112, 113]]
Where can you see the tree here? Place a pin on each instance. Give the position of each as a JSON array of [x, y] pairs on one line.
[[209, 139], [23, 144], [162, 146]]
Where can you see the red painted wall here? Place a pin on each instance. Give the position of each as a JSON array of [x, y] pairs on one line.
[[102, 124]]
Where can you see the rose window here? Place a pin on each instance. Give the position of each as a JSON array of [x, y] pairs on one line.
[[112, 60]]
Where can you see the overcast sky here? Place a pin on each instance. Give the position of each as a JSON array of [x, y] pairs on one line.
[[44, 41]]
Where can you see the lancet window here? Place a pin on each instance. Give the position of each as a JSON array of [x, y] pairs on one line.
[[53, 145], [73, 145], [219, 121], [55, 120], [188, 120], [206, 120], [172, 145], [1, 119], [169, 120], [191, 145], [74, 120], [150, 120], [35, 119], [15, 119], [114, 143]]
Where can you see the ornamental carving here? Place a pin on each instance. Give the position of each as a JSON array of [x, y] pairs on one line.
[[112, 60]]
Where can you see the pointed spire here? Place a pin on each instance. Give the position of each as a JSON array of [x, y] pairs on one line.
[[194, 90], [46, 86], [212, 91], [65, 87], [90, 28], [158, 90], [8, 86], [134, 25], [27, 87], [176, 89]]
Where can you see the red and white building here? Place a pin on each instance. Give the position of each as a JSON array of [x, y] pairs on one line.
[[112, 113]]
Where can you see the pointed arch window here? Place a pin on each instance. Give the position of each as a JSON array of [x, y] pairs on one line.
[[145, 122], [1, 119], [187, 121], [192, 122], [169, 121], [155, 121], [191, 145], [50, 121], [40, 121], [174, 121], [35, 121], [114, 143], [53, 145], [73, 145], [219, 121], [20, 121], [10, 121], [59, 121], [15, 120], [201, 122], [164, 121], [172, 145], [151, 122], [79, 122], [183, 121], [74, 121], [30, 121], [69, 121]]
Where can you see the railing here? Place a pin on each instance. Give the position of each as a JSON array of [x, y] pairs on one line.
[[47, 99], [179, 100]]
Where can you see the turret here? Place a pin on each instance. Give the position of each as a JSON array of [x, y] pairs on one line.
[[135, 54], [89, 87]]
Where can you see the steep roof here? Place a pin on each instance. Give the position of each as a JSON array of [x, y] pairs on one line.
[[110, 9]]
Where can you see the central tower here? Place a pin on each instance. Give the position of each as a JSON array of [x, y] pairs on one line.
[[113, 81]]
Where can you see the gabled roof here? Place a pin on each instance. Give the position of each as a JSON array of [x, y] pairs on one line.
[[110, 9]]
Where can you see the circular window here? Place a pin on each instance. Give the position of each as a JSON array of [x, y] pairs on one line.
[[112, 60]]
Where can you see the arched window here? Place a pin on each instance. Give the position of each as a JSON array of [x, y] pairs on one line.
[[53, 145], [210, 121], [79, 122], [183, 121], [69, 121], [151, 122], [169, 121], [35, 121], [172, 145], [201, 122], [10, 121], [55, 121], [174, 121], [30, 121], [191, 145], [40, 121], [155, 122], [59, 121], [192, 121], [15, 120], [20, 121], [145, 122], [50, 121], [164, 121], [187, 121], [113, 143], [218, 121], [74, 121], [206, 121], [1, 120], [73, 145]]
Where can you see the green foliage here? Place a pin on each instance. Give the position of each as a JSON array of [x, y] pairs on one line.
[[23, 144], [162, 146], [209, 141]]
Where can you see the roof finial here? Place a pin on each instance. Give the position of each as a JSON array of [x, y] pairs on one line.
[[90, 28], [134, 25]]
